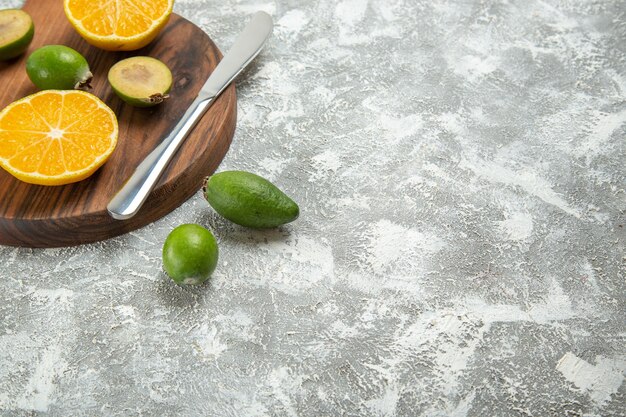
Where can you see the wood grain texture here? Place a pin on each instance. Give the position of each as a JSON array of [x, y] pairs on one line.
[[41, 216]]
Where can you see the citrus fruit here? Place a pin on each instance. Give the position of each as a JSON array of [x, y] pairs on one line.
[[249, 200], [190, 254], [16, 33], [120, 25], [56, 137], [141, 81], [58, 67]]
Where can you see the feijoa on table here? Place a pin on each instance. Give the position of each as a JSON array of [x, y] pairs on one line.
[[249, 200], [190, 254]]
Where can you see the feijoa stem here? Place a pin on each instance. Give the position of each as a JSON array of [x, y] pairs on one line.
[[85, 83], [158, 98]]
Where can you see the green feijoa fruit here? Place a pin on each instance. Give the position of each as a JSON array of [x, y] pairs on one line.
[[16, 33], [141, 81], [249, 200], [58, 67], [190, 254]]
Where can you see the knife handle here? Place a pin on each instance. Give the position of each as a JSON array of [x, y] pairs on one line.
[[129, 199]]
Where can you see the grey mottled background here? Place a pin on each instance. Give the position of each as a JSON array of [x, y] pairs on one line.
[[460, 167]]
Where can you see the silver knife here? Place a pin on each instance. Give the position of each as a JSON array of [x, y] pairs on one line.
[[135, 191]]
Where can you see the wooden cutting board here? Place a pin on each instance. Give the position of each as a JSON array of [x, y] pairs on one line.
[[43, 216]]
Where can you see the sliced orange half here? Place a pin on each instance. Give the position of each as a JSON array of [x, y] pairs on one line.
[[118, 25], [56, 137]]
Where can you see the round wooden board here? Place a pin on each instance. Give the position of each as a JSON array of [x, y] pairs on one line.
[[40, 216]]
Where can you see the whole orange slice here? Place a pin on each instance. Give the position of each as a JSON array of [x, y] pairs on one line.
[[118, 25], [56, 137]]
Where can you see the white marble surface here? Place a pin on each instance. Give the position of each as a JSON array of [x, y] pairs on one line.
[[461, 248]]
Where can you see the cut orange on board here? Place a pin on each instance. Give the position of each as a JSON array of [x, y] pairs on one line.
[[118, 25], [56, 137]]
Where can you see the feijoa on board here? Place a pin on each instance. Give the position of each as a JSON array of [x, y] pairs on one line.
[[16, 33], [141, 81], [58, 67]]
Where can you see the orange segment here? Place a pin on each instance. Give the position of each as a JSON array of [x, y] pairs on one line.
[[96, 122], [76, 108], [130, 23], [48, 108], [14, 141], [56, 137], [118, 25], [52, 163], [101, 22], [31, 121]]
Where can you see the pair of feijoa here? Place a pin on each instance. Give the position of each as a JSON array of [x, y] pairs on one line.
[[140, 81], [190, 251]]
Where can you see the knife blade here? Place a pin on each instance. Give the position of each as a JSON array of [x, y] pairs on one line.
[[129, 199]]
